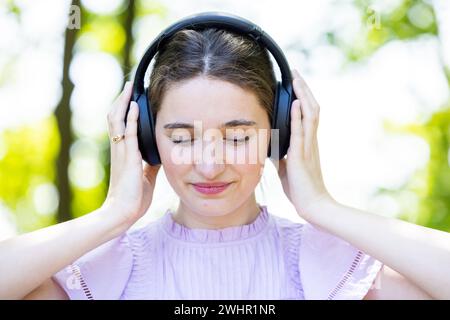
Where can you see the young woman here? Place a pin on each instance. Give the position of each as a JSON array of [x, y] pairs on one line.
[[220, 243]]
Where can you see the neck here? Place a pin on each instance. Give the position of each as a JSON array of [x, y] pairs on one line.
[[245, 214]]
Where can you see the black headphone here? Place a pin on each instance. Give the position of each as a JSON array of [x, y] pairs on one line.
[[284, 94]]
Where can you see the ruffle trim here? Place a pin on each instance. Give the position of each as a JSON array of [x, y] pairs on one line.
[[359, 279], [227, 234]]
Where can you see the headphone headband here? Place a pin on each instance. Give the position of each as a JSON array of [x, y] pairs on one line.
[[283, 96], [213, 20]]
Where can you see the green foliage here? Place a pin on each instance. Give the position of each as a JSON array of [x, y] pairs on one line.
[[86, 200], [429, 187], [150, 7], [409, 20], [106, 33], [102, 34], [425, 198], [26, 162], [12, 7]]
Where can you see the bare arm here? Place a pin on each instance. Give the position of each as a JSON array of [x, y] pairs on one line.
[[30, 259], [391, 285], [419, 254], [49, 290]]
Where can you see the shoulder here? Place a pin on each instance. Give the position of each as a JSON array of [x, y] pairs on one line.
[[103, 272], [100, 273], [332, 268], [326, 266], [144, 238], [286, 227], [289, 234], [143, 232]]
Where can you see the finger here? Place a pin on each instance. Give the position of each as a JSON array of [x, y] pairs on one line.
[[303, 89], [295, 73], [116, 162], [124, 101], [131, 141], [296, 139], [117, 114], [309, 125], [309, 130], [116, 125], [125, 96], [310, 116]]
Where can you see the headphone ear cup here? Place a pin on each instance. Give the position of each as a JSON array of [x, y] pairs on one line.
[[274, 118], [281, 122], [146, 132]]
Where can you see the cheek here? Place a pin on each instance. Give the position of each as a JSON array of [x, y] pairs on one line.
[[176, 174], [249, 174], [172, 154], [250, 154], [173, 170]]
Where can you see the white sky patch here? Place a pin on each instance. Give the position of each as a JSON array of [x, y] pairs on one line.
[[7, 224], [45, 198], [90, 101]]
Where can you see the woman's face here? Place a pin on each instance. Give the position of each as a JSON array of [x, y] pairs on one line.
[[196, 128]]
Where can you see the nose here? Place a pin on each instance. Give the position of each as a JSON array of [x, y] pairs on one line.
[[209, 163]]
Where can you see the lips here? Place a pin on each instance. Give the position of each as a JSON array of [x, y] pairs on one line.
[[211, 188], [211, 184]]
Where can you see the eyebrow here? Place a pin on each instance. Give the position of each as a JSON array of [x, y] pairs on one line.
[[229, 124]]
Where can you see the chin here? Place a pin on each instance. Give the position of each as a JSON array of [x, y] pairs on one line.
[[211, 207]]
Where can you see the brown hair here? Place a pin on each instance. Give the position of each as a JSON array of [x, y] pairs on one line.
[[216, 53]]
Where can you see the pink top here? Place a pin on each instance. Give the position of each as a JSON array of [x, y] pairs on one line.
[[270, 258]]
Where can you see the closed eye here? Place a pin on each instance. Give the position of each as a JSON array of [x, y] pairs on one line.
[[233, 140], [182, 141]]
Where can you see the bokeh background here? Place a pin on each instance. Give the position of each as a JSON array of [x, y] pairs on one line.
[[379, 69]]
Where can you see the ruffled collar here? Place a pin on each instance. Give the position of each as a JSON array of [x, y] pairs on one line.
[[227, 234]]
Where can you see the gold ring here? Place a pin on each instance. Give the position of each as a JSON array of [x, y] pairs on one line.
[[117, 138]]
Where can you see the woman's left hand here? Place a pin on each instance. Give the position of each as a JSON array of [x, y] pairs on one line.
[[300, 173]]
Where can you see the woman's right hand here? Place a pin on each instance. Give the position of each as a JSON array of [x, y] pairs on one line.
[[131, 184]]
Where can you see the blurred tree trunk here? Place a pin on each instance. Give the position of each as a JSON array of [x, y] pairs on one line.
[[128, 26], [64, 116]]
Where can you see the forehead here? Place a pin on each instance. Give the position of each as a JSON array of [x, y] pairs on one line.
[[211, 101]]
